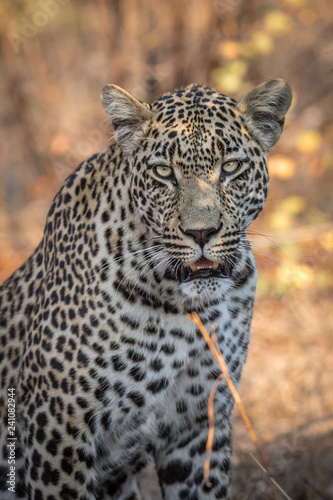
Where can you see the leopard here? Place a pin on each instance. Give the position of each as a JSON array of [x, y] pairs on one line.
[[101, 365]]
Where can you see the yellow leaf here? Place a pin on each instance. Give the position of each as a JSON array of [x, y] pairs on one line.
[[326, 241], [295, 3], [316, 216], [283, 216], [323, 279], [230, 49], [230, 78], [263, 284], [293, 205], [262, 43], [327, 159], [308, 141], [280, 220], [277, 22], [281, 167], [238, 68], [300, 276], [230, 82]]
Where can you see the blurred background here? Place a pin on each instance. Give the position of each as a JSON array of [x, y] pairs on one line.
[[55, 56]]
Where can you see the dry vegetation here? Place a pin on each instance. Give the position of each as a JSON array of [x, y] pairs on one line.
[[53, 65]]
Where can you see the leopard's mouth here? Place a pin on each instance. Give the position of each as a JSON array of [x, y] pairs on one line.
[[204, 268]]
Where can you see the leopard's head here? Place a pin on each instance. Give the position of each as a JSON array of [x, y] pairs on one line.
[[199, 173]]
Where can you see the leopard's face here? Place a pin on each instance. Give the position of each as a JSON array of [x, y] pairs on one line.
[[198, 179]]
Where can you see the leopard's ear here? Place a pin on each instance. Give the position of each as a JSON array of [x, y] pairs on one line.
[[264, 109], [128, 116]]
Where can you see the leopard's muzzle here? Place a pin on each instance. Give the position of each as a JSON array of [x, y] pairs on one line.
[[205, 268]]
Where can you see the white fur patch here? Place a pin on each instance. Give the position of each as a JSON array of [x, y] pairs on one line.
[[206, 288]]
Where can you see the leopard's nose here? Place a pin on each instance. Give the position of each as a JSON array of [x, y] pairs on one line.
[[201, 236]]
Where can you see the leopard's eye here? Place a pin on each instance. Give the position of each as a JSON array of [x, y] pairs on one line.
[[163, 171], [230, 167]]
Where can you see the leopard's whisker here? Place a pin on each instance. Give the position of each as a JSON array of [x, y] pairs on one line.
[[153, 254], [150, 271]]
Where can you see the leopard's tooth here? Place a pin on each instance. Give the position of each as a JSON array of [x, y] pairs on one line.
[[193, 267], [215, 265]]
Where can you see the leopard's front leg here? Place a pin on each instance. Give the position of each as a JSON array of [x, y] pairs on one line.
[[60, 459], [180, 465]]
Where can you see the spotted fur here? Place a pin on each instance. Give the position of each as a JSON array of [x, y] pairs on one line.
[[108, 371]]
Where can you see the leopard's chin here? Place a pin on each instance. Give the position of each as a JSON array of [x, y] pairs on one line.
[[206, 289]]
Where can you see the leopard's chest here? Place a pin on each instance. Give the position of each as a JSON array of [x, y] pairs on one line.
[[166, 383], [161, 368]]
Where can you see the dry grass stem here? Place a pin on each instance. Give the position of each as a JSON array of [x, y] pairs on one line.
[[210, 438], [270, 477], [211, 341]]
